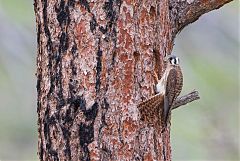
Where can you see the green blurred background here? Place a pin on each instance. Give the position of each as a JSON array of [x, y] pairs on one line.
[[207, 129]]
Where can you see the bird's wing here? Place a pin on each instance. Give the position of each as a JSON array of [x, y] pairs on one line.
[[149, 109], [170, 94]]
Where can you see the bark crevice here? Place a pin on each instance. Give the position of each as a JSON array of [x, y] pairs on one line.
[[95, 63]]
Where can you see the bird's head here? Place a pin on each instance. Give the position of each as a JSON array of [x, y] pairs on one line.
[[172, 59]]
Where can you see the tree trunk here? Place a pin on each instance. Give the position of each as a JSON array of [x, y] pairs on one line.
[[95, 64]]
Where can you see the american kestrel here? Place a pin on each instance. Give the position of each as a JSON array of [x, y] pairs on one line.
[[168, 89]]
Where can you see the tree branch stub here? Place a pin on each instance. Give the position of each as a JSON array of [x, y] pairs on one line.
[[94, 59], [183, 100]]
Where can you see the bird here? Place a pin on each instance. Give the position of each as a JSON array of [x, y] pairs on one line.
[[167, 90], [170, 85]]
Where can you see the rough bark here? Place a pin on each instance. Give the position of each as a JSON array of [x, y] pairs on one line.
[[184, 12], [95, 63]]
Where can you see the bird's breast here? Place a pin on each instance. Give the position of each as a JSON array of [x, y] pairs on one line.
[[161, 85], [160, 89]]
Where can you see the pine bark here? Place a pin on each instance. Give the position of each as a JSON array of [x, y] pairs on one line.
[[95, 64]]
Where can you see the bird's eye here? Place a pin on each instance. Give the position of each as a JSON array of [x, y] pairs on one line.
[[171, 60]]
